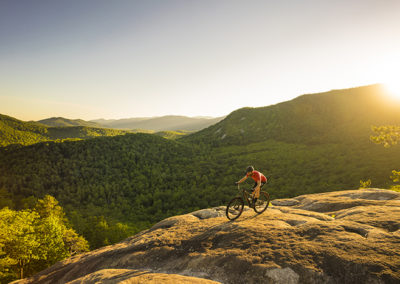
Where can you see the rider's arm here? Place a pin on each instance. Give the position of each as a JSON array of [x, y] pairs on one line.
[[243, 179]]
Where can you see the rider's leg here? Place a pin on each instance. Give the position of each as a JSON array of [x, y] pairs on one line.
[[253, 192], [256, 192]]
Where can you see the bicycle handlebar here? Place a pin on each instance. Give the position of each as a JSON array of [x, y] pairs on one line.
[[240, 189], [243, 189]]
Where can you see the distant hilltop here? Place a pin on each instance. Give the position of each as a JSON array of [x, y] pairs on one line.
[[61, 121], [163, 123], [336, 237]]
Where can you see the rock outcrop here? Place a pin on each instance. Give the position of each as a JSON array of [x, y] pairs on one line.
[[336, 237]]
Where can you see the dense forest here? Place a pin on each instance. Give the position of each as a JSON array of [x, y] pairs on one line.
[[112, 187], [17, 132]]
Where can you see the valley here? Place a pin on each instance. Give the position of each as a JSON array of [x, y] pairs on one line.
[[113, 187]]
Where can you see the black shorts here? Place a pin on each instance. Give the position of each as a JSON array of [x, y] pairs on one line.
[[261, 185]]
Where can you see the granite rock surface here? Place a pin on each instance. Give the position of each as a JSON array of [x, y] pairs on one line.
[[348, 236]]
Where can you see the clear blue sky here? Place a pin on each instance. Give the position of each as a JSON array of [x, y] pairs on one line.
[[123, 58]]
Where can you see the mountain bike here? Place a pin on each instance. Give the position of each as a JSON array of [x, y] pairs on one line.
[[236, 205]]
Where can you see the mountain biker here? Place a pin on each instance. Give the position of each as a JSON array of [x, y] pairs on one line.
[[259, 179]]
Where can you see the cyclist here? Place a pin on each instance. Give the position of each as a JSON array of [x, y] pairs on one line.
[[259, 179]]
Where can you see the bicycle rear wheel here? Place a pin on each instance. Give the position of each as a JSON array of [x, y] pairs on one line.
[[234, 208], [262, 202]]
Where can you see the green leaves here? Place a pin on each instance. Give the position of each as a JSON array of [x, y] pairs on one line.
[[396, 176], [31, 240], [19, 240], [365, 184], [48, 207], [388, 135], [74, 243]]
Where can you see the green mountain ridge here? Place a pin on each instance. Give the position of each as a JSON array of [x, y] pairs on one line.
[[14, 131], [332, 117], [63, 122]]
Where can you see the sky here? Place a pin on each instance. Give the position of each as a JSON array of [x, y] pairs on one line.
[[93, 59]]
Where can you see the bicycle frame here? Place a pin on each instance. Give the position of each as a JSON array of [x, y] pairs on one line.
[[245, 195]]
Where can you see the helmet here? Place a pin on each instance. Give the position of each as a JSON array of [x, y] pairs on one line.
[[249, 169]]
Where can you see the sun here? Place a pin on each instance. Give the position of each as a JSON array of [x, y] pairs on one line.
[[393, 87]]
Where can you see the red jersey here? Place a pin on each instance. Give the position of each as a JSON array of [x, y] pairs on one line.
[[257, 176]]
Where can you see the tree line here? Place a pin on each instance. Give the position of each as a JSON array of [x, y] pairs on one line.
[[32, 239]]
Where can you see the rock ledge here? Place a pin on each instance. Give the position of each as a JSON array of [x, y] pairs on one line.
[[336, 237]]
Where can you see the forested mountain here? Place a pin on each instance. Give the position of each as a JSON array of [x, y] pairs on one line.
[[169, 134], [14, 131], [169, 122], [111, 187], [332, 117], [62, 122]]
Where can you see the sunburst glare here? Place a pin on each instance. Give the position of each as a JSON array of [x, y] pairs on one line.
[[393, 87]]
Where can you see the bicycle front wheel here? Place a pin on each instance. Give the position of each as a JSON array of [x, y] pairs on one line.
[[234, 208], [262, 202]]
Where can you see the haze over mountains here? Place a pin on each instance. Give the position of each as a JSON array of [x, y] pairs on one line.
[[169, 122], [155, 124]]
